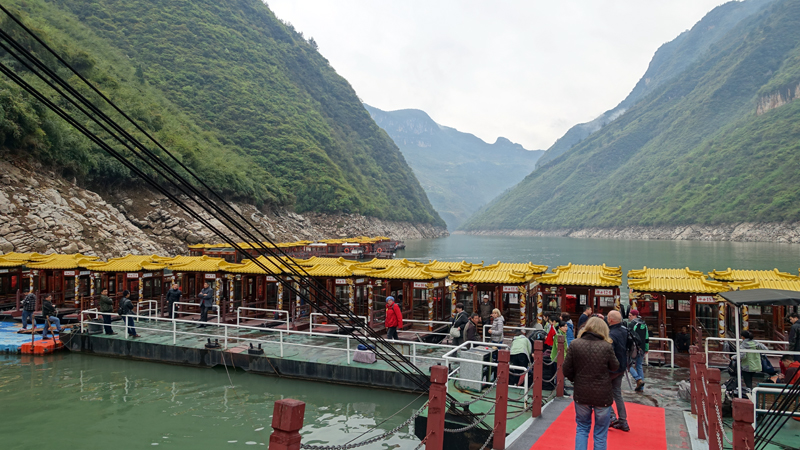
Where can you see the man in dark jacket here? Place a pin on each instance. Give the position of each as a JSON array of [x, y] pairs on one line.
[[50, 313], [619, 336], [28, 308], [460, 321], [126, 307], [471, 329], [106, 307], [206, 302], [587, 312], [173, 296], [486, 307], [682, 340], [794, 335]]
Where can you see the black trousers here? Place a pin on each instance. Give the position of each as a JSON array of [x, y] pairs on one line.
[[107, 322], [204, 313], [391, 333], [747, 379], [171, 310]]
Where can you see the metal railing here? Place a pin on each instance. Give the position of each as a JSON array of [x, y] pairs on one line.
[[196, 305], [345, 320], [450, 357], [152, 307], [770, 390], [771, 352], [430, 323], [671, 351], [229, 334], [276, 312], [506, 328]]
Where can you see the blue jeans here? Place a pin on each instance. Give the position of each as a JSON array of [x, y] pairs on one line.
[[25, 316], [53, 320], [636, 370], [583, 419], [131, 329]]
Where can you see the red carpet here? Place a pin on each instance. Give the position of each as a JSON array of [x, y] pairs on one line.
[[648, 430]]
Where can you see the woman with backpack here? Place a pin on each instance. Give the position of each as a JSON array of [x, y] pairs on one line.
[[751, 362]]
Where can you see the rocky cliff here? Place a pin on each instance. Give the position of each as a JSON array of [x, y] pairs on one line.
[[42, 212]]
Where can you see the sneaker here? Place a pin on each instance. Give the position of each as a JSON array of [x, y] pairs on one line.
[[620, 425], [639, 386], [613, 423]]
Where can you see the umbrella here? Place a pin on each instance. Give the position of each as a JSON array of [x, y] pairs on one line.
[[765, 297]]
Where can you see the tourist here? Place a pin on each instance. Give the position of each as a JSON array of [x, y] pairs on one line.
[[471, 329], [570, 327], [751, 362], [682, 341], [561, 330], [28, 308], [552, 323], [50, 312], [486, 307], [636, 325], [106, 307], [126, 309], [459, 322], [394, 318], [173, 296], [206, 297], [790, 370], [521, 354], [589, 363], [587, 312], [794, 334], [619, 338], [497, 327]]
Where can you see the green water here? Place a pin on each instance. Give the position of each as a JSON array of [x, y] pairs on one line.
[[630, 254], [93, 402]]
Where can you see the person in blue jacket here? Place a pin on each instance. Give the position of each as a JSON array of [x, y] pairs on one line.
[[570, 327]]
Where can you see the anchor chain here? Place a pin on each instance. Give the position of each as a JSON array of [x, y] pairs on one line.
[[473, 424]]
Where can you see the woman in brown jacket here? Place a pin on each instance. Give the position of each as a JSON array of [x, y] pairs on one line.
[[590, 360]]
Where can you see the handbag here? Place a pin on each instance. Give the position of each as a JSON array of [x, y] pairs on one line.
[[766, 366], [455, 332]]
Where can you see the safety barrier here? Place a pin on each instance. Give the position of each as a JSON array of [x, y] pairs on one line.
[[757, 399], [770, 352], [276, 312], [485, 334], [228, 333], [344, 319], [706, 403], [194, 305], [151, 309], [671, 351], [430, 324]]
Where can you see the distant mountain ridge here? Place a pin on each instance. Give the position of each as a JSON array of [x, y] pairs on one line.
[[459, 171], [669, 61], [717, 144]]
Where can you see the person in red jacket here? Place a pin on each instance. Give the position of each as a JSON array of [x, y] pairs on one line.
[[394, 318]]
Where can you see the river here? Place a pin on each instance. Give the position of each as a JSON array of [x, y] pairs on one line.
[[97, 402]]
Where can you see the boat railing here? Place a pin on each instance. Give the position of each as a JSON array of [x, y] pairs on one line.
[[275, 312], [194, 305], [671, 351], [768, 351], [345, 320], [228, 334], [151, 307], [486, 334], [431, 325]]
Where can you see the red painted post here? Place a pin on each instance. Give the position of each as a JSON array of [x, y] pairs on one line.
[[701, 396], [693, 377], [287, 420], [436, 408], [538, 365], [560, 369], [501, 400], [743, 432], [713, 405]]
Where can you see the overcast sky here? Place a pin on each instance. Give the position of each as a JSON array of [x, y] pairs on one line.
[[526, 70]]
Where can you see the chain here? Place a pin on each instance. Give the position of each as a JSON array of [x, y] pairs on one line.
[[703, 383], [473, 424], [371, 440], [423, 442], [477, 399], [721, 427], [491, 435], [521, 412]]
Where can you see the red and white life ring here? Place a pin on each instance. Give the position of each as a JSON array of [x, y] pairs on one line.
[[380, 250], [347, 250]]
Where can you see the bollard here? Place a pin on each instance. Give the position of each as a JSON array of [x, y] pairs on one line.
[[562, 342], [436, 408], [700, 367], [501, 400], [538, 365], [693, 378], [287, 420], [712, 413], [743, 432]]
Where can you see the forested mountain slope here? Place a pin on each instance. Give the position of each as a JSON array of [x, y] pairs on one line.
[[245, 100], [459, 171], [670, 60], [719, 143]]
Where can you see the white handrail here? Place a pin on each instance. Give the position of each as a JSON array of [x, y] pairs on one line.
[[341, 317], [468, 346], [194, 304], [671, 351], [507, 328], [149, 310], [274, 311], [773, 352], [769, 390]]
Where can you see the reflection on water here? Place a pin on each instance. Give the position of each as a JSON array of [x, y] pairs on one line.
[[630, 254], [99, 403]]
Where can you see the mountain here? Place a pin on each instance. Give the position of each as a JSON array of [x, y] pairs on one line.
[[245, 100], [717, 144], [459, 171], [670, 60]]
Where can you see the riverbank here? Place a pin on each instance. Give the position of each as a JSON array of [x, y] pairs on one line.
[[42, 212], [783, 233]]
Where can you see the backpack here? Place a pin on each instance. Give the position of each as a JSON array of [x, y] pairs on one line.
[[636, 342]]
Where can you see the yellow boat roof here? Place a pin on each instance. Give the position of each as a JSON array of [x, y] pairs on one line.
[[745, 275], [665, 273], [481, 276], [128, 263], [788, 285], [692, 285], [567, 277]]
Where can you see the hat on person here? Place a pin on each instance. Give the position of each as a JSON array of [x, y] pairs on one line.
[[634, 312], [485, 296], [389, 298]]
